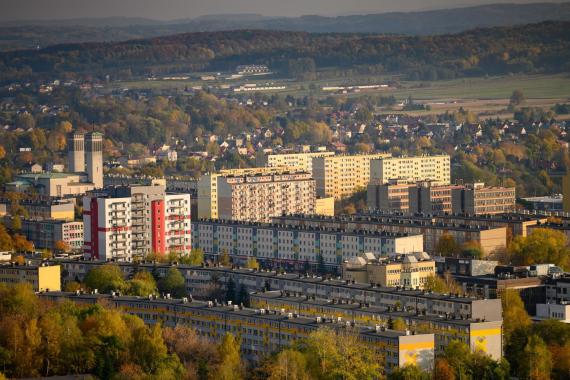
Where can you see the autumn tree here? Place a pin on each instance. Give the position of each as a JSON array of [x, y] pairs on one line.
[[409, 372], [543, 245], [225, 258], [447, 246], [142, 284], [289, 365], [6, 243], [231, 366], [21, 244], [536, 362], [514, 313], [61, 246], [252, 263], [517, 97]]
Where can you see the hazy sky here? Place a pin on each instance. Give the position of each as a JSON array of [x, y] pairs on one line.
[[177, 9]]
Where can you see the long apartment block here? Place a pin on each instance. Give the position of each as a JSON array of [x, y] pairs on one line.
[[135, 221], [490, 238], [301, 161], [199, 280], [262, 331], [485, 336], [342, 176], [281, 243]]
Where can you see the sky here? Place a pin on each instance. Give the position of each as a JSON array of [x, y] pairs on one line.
[[11, 10]]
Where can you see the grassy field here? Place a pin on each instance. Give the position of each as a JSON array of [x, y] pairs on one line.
[[487, 96]]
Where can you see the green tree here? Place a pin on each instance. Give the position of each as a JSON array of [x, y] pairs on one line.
[[409, 372], [173, 283], [105, 278], [142, 284]]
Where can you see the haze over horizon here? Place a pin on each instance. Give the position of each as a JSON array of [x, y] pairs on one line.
[[24, 10]]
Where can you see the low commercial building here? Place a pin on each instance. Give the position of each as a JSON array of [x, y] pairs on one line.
[[287, 245], [560, 312], [489, 239], [53, 184], [342, 176], [465, 266], [483, 336], [558, 290], [262, 332], [546, 203], [411, 270], [42, 277]]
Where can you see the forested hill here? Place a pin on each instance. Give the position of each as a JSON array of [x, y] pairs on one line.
[[22, 35], [543, 47]]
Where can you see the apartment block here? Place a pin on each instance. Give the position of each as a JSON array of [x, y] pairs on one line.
[[45, 233], [46, 208], [207, 187], [199, 278], [257, 198], [135, 221], [479, 336], [393, 196], [489, 238], [262, 331], [410, 270], [282, 244], [300, 161], [412, 169], [42, 278], [477, 199], [342, 176]]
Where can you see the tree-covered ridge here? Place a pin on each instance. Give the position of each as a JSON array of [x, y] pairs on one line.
[[531, 48]]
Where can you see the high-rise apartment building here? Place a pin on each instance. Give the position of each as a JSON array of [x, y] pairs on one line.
[[342, 176], [135, 221], [478, 199], [76, 152], [208, 187], [300, 161], [411, 169], [258, 198], [94, 158]]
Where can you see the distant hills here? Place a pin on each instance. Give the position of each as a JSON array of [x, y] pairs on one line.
[[532, 48], [44, 33]]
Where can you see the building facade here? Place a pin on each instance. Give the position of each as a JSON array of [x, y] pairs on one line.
[[342, 176], [300, 161], [412, 169], [281, 244], [257, 198], [46, 233], [207, 187], [477, 199], [42, 278], [410, 270], [136, 221]]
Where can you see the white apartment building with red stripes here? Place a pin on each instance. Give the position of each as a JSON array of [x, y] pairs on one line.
[[147, 220]]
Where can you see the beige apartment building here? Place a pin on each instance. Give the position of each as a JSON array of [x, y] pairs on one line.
[[208, 187], [258, 198], [411, 270], [342, 176], [301, 161], [477, 199], [324, 206], [411, 169]]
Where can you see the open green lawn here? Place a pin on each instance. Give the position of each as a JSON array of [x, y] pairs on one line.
[[555, 87]]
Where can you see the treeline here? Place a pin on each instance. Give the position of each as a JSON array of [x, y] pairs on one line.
[[530, 48]]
